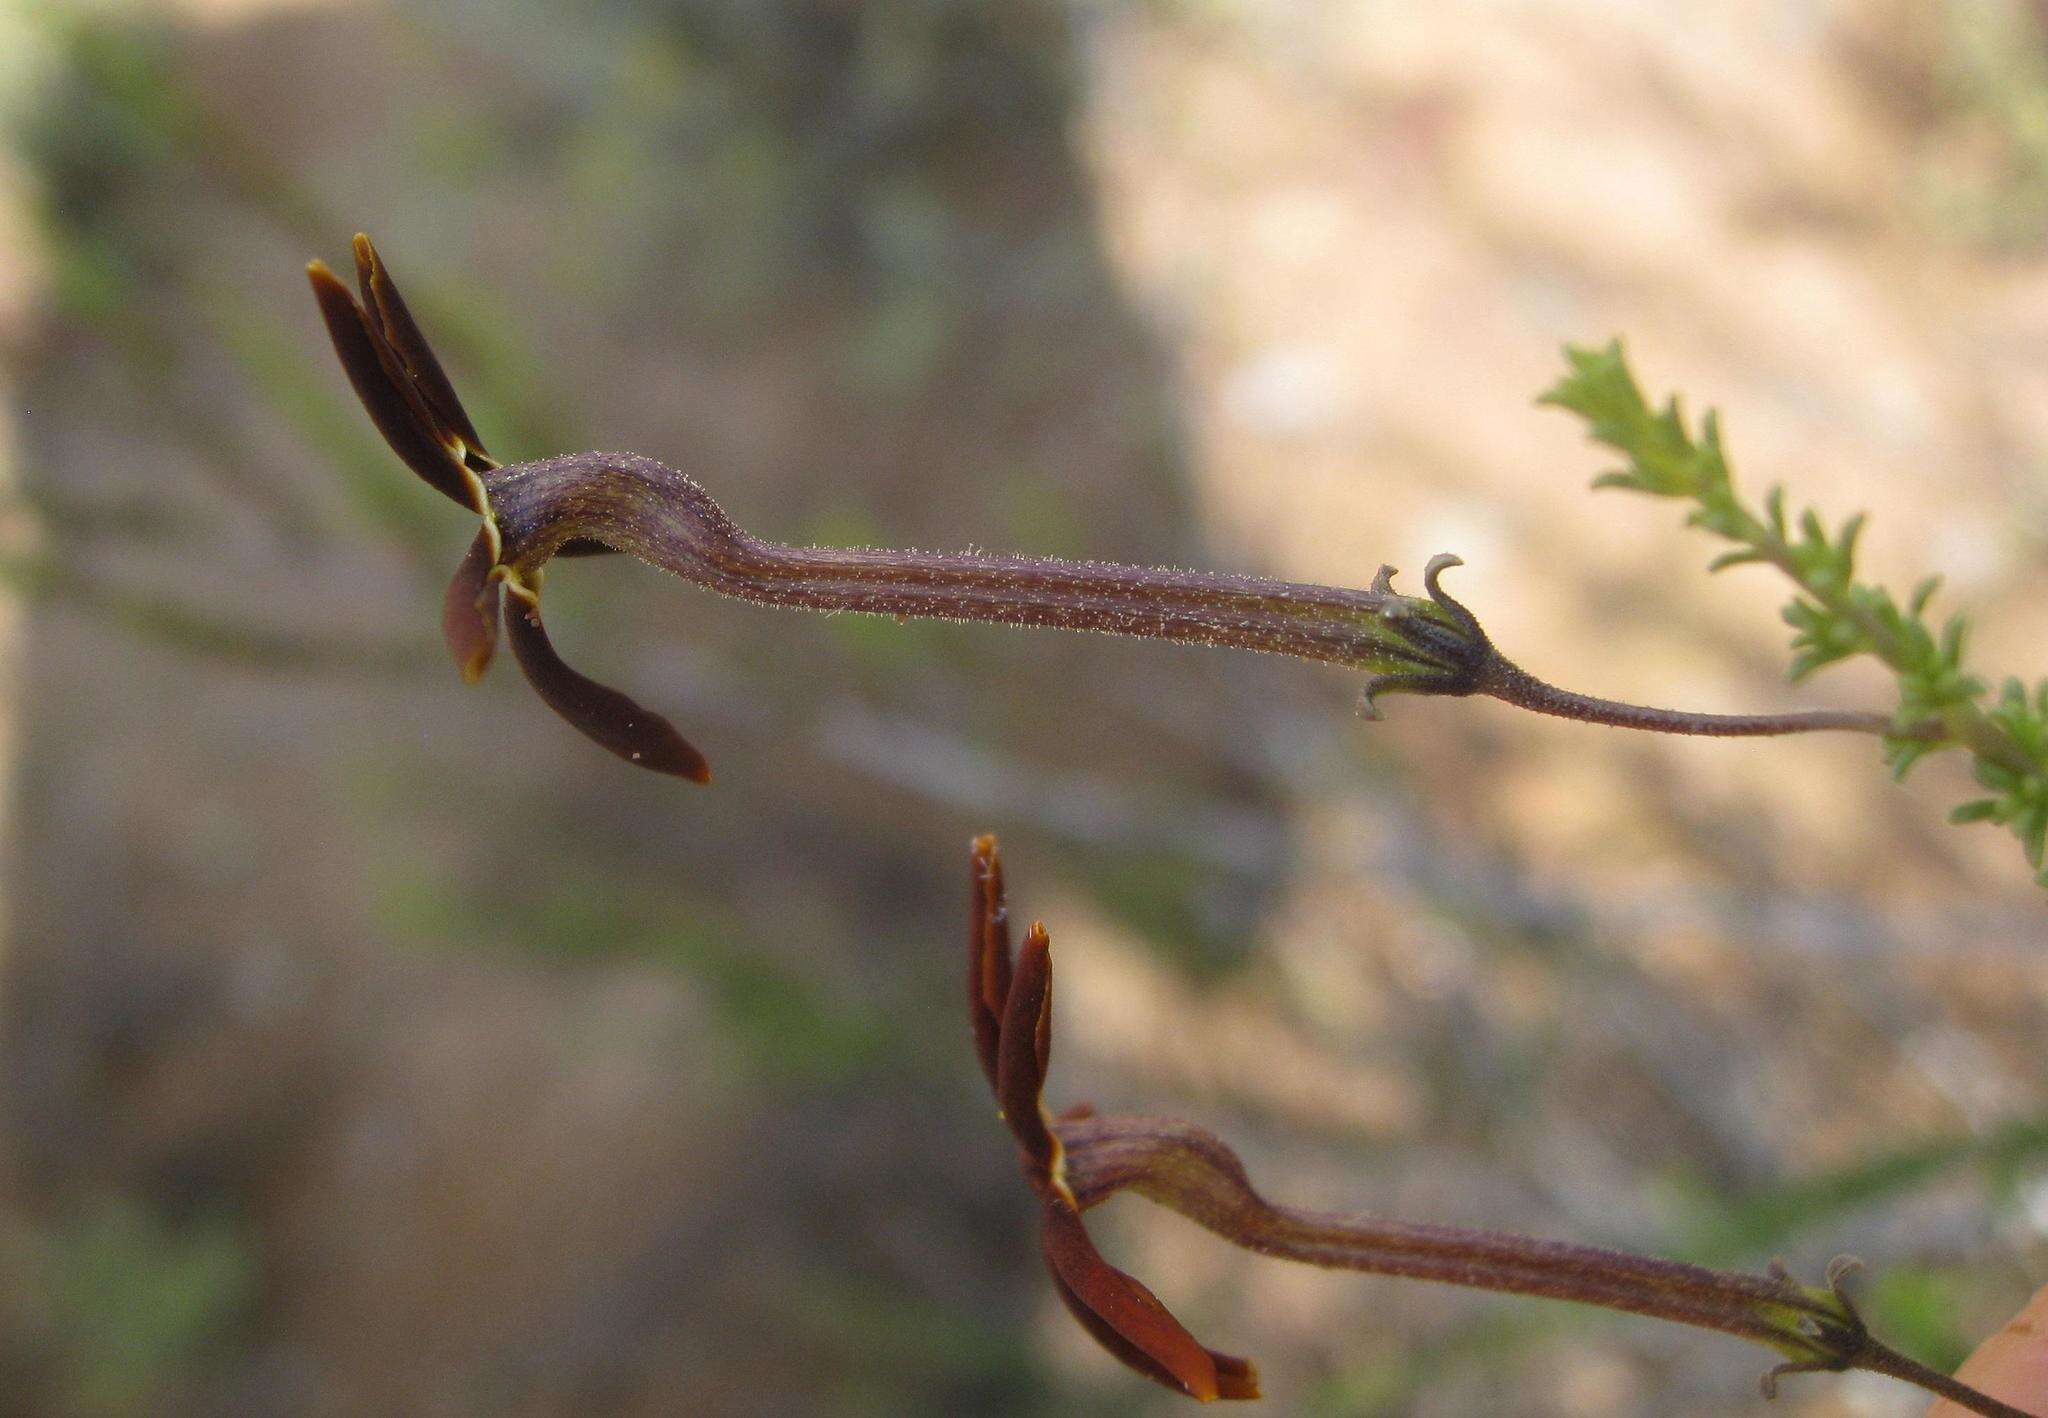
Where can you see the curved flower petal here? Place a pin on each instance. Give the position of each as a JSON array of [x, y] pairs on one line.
[[1129, 1321], [1010, 1004], [469, 611], [604, 715], [988, 952], [401, 334], [1022, 1052], [391, 402]]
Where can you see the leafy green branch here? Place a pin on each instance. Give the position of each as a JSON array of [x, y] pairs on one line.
[[1833, 615]]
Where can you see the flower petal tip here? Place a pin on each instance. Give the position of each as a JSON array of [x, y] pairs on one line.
[[602, 714], [470, 612], [1237, 1379]]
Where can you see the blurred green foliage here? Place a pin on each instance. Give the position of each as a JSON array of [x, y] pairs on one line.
[[142, 1304], [1922, 1310], [785, 1027], [1718, 1229], [1983, 173]]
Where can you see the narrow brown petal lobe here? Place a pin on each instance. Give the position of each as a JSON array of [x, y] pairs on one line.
[[469, 611], [603, 715]]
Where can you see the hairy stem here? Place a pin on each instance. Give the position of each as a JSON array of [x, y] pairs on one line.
[[649, 510], [1880, 1359], [1514, 685], [1187, 1169]]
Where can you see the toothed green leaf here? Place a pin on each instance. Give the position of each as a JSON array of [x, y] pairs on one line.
[[1835, 617]]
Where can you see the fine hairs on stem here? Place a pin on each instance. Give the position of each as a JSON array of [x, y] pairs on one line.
[[591, 503]]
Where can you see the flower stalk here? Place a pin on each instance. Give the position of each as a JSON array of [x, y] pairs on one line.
[[1076, 1160], [588, 503]]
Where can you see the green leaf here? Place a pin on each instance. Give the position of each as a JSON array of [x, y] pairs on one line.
[[2033, 834], [1901, 754], [1834, 617], [1740, 557]]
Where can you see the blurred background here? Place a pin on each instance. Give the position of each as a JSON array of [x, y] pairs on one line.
[[373, 1044]]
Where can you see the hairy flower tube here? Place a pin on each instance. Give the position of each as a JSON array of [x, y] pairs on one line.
[[586, 503]]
